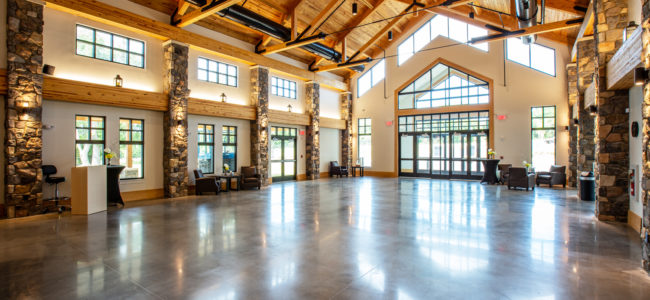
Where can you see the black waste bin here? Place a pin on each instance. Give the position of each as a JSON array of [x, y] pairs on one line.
[[587, 186]]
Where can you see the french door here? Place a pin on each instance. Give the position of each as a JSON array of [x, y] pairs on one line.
[[283, 154], [451, 154]]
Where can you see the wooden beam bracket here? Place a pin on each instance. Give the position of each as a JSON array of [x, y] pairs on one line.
[[201, 13]]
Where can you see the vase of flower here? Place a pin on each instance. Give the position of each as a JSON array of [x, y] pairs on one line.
[[491, 153], [108, 154], [527, 165], [226, 169]]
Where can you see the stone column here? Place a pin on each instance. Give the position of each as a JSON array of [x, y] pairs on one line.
[[586, 53], [260, 126], [175, 178], [23, 143], [313, 130], [574, 95], [645, 240], [346, 134], [612, 148]]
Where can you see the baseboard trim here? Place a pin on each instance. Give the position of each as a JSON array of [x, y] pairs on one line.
[[634, 221], [143, 195], [380, 174]]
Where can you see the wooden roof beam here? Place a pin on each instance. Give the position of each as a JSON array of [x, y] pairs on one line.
[[182, 7], [291, 44], [538, 29], [321, 17], [567, 6], [379, 34], [202, 12], [341, 65], [587, 29], [359, 20]]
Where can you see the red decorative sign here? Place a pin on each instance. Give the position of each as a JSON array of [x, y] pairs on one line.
[[389, 123], [302, 132], [501, 117]]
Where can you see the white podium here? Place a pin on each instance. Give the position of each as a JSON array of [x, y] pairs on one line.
[[88, 190]]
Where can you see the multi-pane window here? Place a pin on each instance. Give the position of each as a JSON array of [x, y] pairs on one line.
[[90, 139], [444, 86], [534, 56], [465, 121], [543, 137], [229, 139], [206, 148], [283, 88], [373, 76], [217, 72], [104, 45], [365, 142], [132, 148], [439, 26]]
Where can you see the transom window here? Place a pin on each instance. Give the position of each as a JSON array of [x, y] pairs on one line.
[[444, 86], [90, 139], [542, 125], [206, 148], [534, 56], [439, 26], [132, 148], [465, 121], [283, 88], [107, 46], [372, 77], [217, 72], [229, 138], [365, 142]]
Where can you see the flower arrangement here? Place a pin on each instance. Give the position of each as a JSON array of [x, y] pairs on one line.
[[527, 164], [226, 168], [491, 153], [108, 154]]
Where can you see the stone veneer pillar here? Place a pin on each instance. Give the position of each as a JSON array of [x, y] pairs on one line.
[[586, 145], [574, 95], [312, 150], [346, 134], [175, 178], [645, 240], [612, 148], [260, 126], [23, 143]]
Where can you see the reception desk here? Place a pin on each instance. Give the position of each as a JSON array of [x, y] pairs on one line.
[[88, 190]]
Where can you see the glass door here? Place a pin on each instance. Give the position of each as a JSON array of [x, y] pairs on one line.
[[458, 155], [440, 155], [478, 143], [423, 147], [406, 154], [283, 153]]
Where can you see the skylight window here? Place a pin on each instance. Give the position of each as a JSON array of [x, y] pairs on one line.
[[439, 26], [534, 56]]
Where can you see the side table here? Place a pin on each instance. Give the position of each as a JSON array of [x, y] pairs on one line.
[[354, 171], [229, 178]]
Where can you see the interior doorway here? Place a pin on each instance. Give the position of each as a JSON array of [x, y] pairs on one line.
[[283, 153]]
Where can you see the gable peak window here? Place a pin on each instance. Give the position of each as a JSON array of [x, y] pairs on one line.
[[534, 56], [371, 78]]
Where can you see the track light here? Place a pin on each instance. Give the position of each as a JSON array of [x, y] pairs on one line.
[[390, 35], [354, 9]]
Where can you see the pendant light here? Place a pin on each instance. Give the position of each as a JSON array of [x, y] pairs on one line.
[[354, 8], [390, 35]]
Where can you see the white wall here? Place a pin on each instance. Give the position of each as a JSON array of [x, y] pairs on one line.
[[635, 11], [59, 46], [243, 142], [523, 88], [636, 147], [59, 142], [330, 147], [330, 103]]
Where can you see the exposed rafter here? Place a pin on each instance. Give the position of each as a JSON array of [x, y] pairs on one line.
[[343, 65], [291, 44], [201, 12], [538, 29], [359, 20], [321, 17], [587, 29], [379, 34], [182, 7]]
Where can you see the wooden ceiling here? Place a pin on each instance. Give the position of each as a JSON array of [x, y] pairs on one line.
[[371, 36]]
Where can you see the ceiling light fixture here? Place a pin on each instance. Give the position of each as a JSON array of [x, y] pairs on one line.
[[390, 35], [354, 8]]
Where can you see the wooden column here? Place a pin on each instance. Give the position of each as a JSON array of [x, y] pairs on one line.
[[175, 177], [23, 138], [313, 130], [346, 134], [612, 120], [260, 126]]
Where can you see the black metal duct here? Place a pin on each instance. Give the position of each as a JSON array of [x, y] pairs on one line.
[[250, 19], [527, 17]]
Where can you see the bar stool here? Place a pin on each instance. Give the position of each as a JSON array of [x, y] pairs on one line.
[[48, 171]]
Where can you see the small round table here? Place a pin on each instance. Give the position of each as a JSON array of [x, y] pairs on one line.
[[490, 171], [113, 196]]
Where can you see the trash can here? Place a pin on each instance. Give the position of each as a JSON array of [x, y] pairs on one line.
[[587, 186]]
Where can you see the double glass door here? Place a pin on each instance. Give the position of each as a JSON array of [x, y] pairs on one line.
[[283, 153], [443, 155]]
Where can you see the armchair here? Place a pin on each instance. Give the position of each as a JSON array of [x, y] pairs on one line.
[[250, 178], [205, 184], [520, 178], [556, 175], [504, 170], [336, 169]]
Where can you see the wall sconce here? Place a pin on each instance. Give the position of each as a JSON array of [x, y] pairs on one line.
[[22, 104], [593, 110], [566, 128], [223, 97], [48, 69], [627, 31], [118, 81], [640, 76], [179, 122], [289, 107], [576, 121]]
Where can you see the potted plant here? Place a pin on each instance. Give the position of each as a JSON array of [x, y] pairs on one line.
[[108, 154]]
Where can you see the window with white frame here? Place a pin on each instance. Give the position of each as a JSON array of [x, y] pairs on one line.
[[111, 47], [365, 142], [534, 56], [283, 88], [372, 77], [439, 26], [217, 72]]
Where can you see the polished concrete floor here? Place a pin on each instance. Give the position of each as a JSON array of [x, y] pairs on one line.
[[350, 238]]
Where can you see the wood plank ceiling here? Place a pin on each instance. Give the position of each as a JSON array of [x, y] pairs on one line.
[[370, 11]]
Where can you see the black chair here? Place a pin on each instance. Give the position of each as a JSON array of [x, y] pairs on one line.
[[205, 184], [556, 175], [48, 171], [336, 169], [521, 178], [250, 178]]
